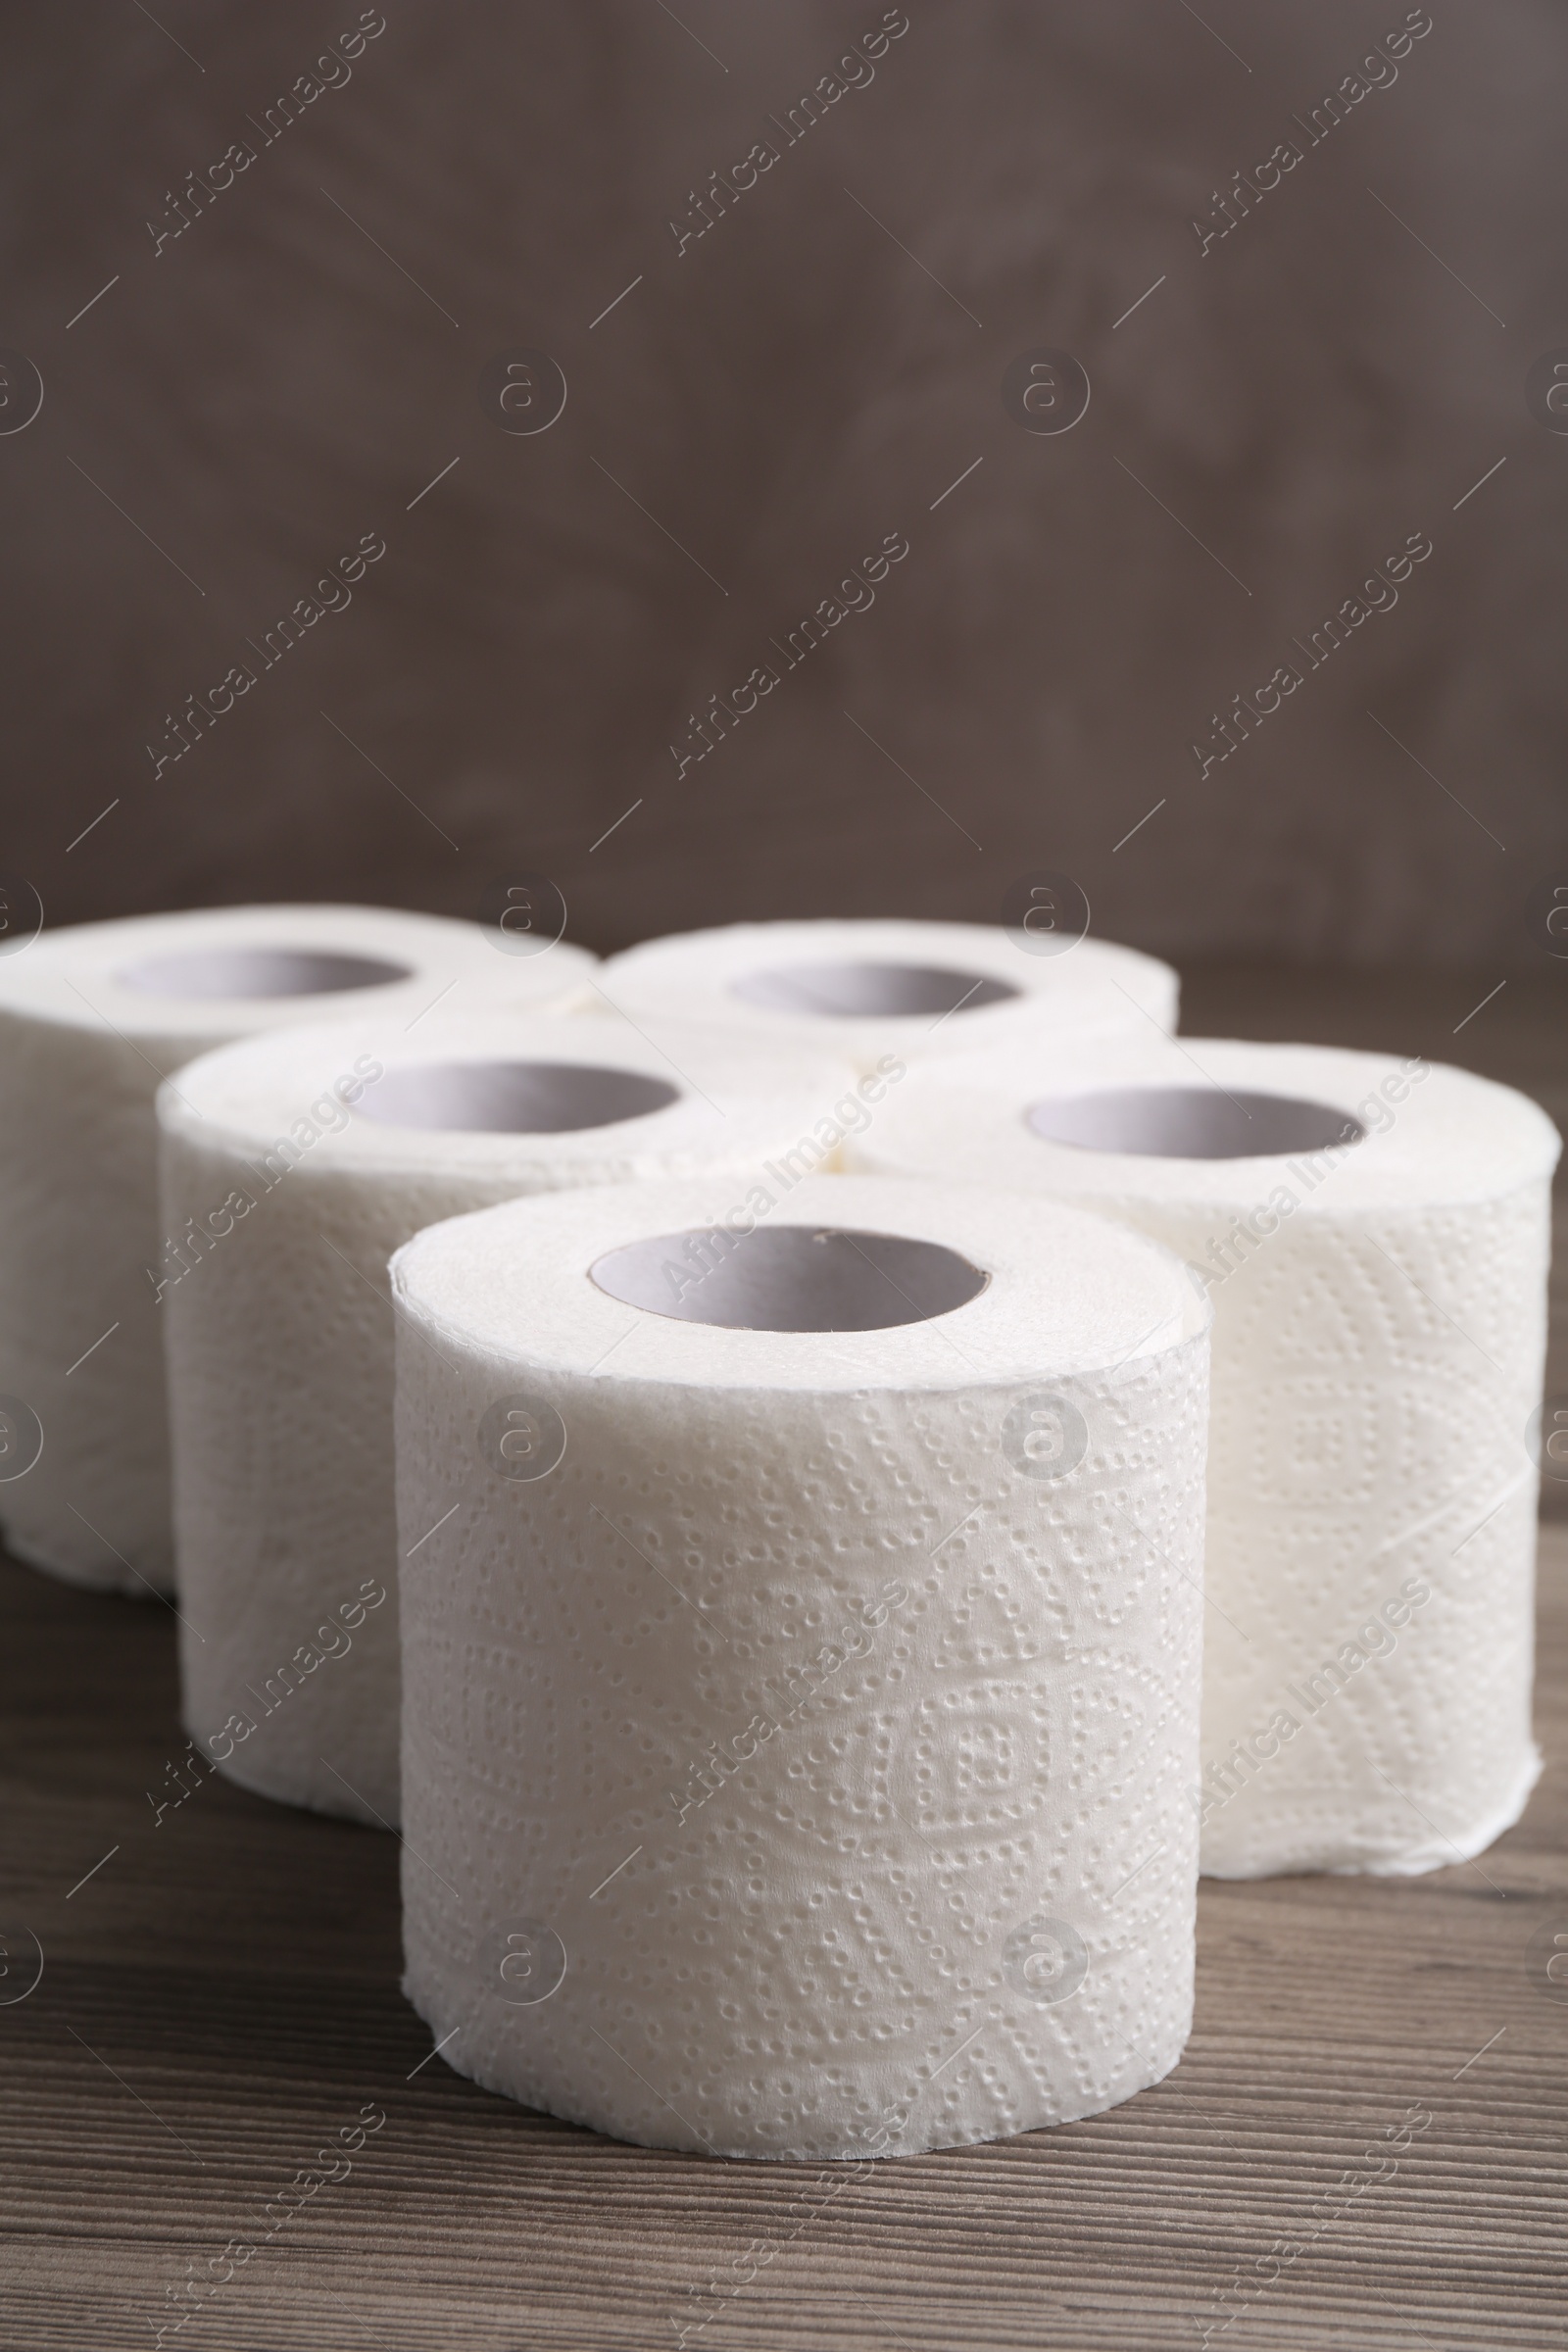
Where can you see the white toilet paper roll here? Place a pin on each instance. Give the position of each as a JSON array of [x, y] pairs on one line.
[[801, 1662], [91, 1018], [1374, 1234], [907, 990], [293, 1166]]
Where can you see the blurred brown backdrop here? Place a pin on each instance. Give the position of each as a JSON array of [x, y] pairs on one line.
[[1288, 406]]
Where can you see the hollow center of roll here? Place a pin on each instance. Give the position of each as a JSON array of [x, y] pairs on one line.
[[512, 1097], [259, 972], [847, 991], [790, 1278], [1191, 1122]]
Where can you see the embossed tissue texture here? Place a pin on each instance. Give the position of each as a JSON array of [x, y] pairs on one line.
[[1371, 1538], [772, 1766], [282, 1359], [81, 1243], [1378, 1350], [1096, 989]]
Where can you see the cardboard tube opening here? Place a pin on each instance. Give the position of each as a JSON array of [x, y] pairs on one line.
[[223, 972], [1191, 1122], [868, 991], [790, 1278], [512, 1097]]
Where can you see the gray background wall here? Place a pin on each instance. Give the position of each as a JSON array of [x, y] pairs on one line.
[[758, 412]]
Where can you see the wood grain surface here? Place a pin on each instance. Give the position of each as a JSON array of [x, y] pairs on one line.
[[220, 1996]]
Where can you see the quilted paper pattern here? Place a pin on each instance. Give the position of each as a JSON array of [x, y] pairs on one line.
[[816, 1744]]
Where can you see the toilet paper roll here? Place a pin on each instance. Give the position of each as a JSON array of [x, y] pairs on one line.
[[1374, 1235], [91, 1018], [905, 990], [293, 1166], [801, 1662]]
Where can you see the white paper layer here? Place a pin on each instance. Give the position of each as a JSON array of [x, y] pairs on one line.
[[89, 1023], [1378, 1336], [769, 979], [280, 1332], [799, 1731]]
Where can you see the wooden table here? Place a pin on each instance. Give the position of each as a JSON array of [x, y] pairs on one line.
[[219, 1992]]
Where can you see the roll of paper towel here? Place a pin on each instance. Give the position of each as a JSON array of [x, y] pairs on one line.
[[91, 1018], [1374, 1235], [905, 990], [293, 1166], [801, 1662]]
